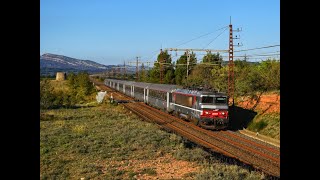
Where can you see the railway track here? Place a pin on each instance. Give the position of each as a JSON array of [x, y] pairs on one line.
[[218, 142], [232, 144], [116, 94]]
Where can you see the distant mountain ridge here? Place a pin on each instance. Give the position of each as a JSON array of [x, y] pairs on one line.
[[52, 63], [60, 61]]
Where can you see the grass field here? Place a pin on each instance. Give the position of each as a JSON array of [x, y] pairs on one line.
[[108, 142]]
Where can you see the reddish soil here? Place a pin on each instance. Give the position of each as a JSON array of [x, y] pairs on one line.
[[166, 167], [268, 103]]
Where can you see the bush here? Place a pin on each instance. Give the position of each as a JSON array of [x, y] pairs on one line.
[[53, 99], [46, 94], [80, 86], [257, 126]]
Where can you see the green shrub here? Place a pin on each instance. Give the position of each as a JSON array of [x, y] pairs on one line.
[[55, 97], [257, 126], [46, 94], [80, 86], [149, 171]]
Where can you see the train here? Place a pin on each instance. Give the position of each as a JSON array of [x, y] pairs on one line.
[[207, 109]]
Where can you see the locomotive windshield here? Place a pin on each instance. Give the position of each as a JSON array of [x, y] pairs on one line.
[[207, 99], [221, 100], [214, 100]]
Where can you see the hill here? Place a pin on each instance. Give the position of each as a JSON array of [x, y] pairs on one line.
[[52, 63]]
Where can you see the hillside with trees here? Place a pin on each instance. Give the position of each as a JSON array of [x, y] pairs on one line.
[[212, 73]]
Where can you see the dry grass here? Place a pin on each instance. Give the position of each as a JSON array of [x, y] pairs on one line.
[[106, 142]]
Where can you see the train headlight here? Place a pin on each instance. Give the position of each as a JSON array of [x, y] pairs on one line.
[[223, 113], [207, 112]]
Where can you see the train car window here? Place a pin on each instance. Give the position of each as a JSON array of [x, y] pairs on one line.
[[158, 94], [207, 99], [138, 90], [221, 100], [184, 100]]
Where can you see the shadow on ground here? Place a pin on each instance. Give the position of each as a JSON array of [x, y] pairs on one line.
[[240, 117]]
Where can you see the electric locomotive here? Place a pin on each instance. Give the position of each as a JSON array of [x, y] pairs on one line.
[[206, 109]]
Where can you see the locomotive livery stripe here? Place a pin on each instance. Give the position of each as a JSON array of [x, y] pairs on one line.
[[186, 107], [214, 106]]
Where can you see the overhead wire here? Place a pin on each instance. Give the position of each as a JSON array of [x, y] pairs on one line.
[[225, 27], [214, 38], [257, 48], [200, 36]]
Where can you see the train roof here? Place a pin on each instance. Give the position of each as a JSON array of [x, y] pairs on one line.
[[164, 87], [168, 88], [120, 81], [200, 92], [161, 87]]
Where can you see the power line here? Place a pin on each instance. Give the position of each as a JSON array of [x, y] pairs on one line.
[[263, 55], [253, 55], [153, 53], [200, 36], [215, 38], [191, 40], [257, 48]]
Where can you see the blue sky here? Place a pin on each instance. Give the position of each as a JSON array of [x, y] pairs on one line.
[[114, 31]]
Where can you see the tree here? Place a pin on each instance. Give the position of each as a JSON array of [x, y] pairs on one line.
[[244, 76], [46, 94], [219, 79], [181, 68], [260, 77], [80, 86], [270, 72], [164, 60], [202, 75], [71, 79], [169, 77], [213, 59], [143, 74], [154, 75]]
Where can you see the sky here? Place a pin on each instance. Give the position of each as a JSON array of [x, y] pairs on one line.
[[112, 32]]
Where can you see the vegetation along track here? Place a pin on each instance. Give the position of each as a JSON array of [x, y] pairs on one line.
[[259, 155], [116, 95]]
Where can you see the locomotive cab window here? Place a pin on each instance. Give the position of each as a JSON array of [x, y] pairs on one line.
[[207, 99], [221, 100]]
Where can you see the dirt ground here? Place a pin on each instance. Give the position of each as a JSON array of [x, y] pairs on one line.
[[268, 103], [166, 167]]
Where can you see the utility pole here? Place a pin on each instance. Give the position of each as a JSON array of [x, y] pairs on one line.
[[118, 71], [231, 64], [137, 69], [137, 62], [125, 70], [188, 60], [161, 67]]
